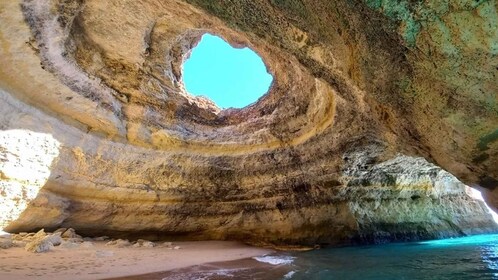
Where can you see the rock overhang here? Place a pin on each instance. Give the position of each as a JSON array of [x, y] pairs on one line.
[[339, 85]]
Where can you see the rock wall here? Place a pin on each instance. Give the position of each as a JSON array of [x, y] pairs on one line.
[[96, 88]]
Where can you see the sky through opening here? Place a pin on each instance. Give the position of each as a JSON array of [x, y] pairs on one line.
[[228, 76]]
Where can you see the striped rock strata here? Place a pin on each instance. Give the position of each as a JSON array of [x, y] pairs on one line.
[[98, 133]]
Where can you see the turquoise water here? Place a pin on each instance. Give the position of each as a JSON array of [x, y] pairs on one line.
[[473, 257], [460, 258], [464, 258]]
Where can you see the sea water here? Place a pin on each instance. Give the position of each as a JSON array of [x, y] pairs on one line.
[[474, 257]]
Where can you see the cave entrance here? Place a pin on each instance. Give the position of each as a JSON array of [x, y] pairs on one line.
[[476, 194], [228, 76]]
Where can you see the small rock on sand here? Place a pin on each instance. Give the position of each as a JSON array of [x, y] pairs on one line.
[[61, 230], [70, 233], [41, 233], [69, 245], [19, 243], [120, 243], [149, 244], [6, 243], [39, 246], [101, 238], [75, 240], [41, 242], [144, 243], [55, 239]]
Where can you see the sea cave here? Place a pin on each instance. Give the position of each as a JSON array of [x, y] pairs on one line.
[[374, 122]]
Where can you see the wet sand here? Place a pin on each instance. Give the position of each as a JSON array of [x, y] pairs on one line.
[[237, 269], [100, 261]]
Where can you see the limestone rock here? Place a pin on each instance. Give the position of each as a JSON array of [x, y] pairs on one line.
[[19, 243], [42, 242], [39, 246], [70, 245], [75, 240], [71, 233], [408, 198], [101, 238], [61, 230], [149, 244], [144, 243], [38, 235], [6, 243], [55, 239], [119, 243], [93, 105]]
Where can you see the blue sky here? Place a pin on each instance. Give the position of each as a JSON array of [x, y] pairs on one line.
[[228, 76]]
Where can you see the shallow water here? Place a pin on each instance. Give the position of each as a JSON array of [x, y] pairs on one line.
[[473, 257], [460, 258]]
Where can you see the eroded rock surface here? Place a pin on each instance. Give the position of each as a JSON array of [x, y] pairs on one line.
[[362, 90]]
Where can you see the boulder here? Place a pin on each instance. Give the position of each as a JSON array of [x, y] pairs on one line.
[[69, 245], [70, 233], [39, 246], [119, 243], [41, 242], [6, 243]]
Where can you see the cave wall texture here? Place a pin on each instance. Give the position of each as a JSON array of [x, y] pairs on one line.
[[98, 133]]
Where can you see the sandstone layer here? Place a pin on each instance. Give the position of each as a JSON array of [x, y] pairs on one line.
[[98, 133]]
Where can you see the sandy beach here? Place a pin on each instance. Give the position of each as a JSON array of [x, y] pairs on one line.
[[99, 261]]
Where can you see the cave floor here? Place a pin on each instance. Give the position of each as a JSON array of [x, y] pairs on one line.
[[100, 261]]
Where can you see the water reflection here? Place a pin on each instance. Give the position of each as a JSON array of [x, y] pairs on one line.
[[489, 254]]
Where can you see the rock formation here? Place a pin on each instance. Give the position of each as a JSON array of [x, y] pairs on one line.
[[41, 242], [98, 133]]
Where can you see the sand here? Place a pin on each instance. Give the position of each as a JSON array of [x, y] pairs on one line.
[[100, 261], [237, 269]]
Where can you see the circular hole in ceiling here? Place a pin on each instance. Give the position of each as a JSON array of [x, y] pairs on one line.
[[230, 77]]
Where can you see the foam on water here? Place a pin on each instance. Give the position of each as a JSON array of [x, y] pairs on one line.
[[289, 275], [204, 275], [275, 260], [468, 258]]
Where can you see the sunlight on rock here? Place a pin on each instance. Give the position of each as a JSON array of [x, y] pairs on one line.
[[476, 194], [26, 158]]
